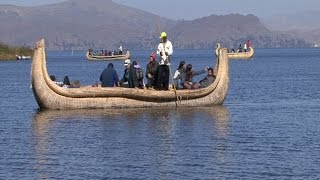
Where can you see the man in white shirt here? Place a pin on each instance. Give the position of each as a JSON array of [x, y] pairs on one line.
[[164, 51], [120, 49]]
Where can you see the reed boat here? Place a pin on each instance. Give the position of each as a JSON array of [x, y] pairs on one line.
[[105, 58], [238, 55], [51, 96]]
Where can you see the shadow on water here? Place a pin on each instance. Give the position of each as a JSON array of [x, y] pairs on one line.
[[161, 137]]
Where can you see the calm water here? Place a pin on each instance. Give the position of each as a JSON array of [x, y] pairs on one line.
[[268, 127]]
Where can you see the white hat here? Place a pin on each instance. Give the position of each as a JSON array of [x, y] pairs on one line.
[[127, 61]]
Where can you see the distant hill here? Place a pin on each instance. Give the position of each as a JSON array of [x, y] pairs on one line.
[[307, 20], [83, 24], [303, 25]]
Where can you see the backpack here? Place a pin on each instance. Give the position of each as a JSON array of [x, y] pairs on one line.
[[139, 73]]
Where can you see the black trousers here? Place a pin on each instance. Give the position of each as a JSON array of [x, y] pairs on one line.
[[163, 77]]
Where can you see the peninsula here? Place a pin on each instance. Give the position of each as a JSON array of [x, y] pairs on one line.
[[10, 53]]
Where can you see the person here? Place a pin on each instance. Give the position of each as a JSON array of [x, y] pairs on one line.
[[139, 74], [245, 47], [164, 51], [66, 82], [248, 44], [179, 74], [151, 71], [109, 77], [187, 80], [129, 76], [53, 78], [120, 49], [239, 49], [207, 81]]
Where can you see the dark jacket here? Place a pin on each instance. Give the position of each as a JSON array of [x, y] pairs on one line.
[[152, 69], [130, 77], [109, 77], [185, 77], [207, 81]]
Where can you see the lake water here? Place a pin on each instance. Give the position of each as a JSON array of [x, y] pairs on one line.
[[267, 128]]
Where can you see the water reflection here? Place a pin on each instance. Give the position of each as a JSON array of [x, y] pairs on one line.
[[123, 137]]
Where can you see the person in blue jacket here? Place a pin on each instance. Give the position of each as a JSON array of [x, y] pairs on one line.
[[109, 77]]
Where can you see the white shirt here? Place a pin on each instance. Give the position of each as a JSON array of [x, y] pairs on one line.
[[245, 46], [167, 48], [176, 74], [120, 48]]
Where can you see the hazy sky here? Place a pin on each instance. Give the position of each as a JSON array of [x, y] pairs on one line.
[[191, 9]]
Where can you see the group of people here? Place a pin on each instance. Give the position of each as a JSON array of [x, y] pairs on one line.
[[106, 52], [245, 48], [66, 82], [157, 73]]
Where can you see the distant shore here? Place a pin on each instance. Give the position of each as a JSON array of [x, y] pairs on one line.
[[9, 52]]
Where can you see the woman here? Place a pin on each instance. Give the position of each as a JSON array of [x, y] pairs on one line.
[[178, 75], [151, 72]]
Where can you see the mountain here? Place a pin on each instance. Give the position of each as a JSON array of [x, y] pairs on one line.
[[303, 25], [82, 24], [305, 20]]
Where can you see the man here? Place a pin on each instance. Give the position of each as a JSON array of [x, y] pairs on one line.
[[207, 81], [120, 49], [164, 51], [109, 77], [151, 72], [129, 76]]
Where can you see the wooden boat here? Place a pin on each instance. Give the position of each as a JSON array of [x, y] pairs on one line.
[[238, 55], [103, 58], [50, 96]]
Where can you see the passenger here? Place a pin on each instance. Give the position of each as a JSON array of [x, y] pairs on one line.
[[139, 74], [129, 76], [66, 82], [164, 51], [248, 44], [232, 50], [109, 77], [239, 49], [151, 72], [180, 72], [120, 50], [90, 52], [187, 80], [53, 78], [245, 47], [207, 81]]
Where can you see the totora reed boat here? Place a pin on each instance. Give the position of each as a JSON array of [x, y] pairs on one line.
[[106, 58], [241, 55], [50, 96]]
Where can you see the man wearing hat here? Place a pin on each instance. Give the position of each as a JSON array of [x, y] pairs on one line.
[[151, 72], [129, 75], [164, 51]]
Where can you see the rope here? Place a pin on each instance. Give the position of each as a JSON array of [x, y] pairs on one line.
[[174, 87]]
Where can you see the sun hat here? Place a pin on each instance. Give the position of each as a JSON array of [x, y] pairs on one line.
[[126, 62], [163, 34]]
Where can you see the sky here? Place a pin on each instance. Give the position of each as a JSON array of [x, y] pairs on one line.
[[192, 9]]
